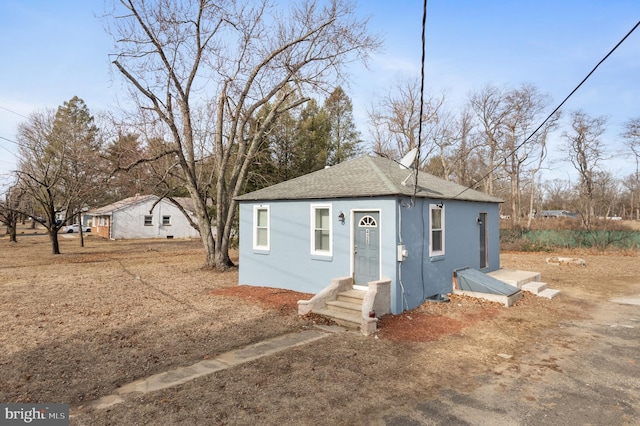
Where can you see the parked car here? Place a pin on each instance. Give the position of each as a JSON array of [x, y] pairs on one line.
[[558, 213], [75, 228]]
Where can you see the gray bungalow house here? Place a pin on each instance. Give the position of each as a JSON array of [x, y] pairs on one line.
[[366, 220]]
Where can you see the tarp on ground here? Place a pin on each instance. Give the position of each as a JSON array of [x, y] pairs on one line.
[[470, 279]]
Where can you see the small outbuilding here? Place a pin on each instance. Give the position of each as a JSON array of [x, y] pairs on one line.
[[370, 220], [142, 216]]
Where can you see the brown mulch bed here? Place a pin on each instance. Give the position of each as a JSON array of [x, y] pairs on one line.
[[426, 323], [286, 301]]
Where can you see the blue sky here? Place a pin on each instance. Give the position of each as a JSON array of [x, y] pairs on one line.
[[53, 51]]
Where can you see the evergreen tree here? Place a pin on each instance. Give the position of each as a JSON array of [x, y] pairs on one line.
[[312, 140], [345, 138], [126, 180]]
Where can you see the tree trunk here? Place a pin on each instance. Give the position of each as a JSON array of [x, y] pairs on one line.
[[204, 227], [221, 258], [55, 245], [80, 230], [13, 233], [209, 246], [531, 199]]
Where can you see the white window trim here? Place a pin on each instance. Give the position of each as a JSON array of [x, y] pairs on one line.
[[256, 208], [145, 220], [312, 227], [433, 253], [168, 220]]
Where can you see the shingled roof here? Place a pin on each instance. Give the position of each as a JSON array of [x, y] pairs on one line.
[[366, 177], [185, 202]]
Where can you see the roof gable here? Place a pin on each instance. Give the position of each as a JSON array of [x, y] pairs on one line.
[[366, 177]]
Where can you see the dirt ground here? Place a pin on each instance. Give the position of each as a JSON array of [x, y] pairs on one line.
[[79, 325]]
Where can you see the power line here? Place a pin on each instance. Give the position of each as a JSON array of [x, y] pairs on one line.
[[13, 112], [10, 140], [7, 149], [424, 25], [557, 108]]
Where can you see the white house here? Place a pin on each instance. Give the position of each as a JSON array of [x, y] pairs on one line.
[[142, 216]]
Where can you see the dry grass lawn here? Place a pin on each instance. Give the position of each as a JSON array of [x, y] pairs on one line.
[[78, 325]]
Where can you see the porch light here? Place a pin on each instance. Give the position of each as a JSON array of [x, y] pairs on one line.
[[341, 217]]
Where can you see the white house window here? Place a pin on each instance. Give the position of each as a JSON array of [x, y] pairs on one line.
[[148, 220], [321, 243], [166, 220], [436, 230], [261, 227]]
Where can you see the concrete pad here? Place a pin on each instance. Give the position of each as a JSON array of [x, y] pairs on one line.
[[515, 277], [106, 402], [270, 346], [332, 328], [505, 300], [182, 375], [173, 377], [627, 300]]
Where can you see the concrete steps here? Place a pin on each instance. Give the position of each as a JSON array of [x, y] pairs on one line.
[[540, 289], [346, 310], [526, 281], [549, 293], [534, 287]]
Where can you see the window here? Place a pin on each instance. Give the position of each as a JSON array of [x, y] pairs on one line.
[[436, 230], [261, 227], [148, 220], [367, 222], [166, 220], [321, 243]]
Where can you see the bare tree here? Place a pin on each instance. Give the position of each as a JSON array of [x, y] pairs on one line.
[[226, 60], [540, 155], [558, 194], [395, 120], [491, 109], [631, 135], [465, 147], [451, 136], [40, 171], [10, 208], [58, 163], [523, 151], [584, 145]]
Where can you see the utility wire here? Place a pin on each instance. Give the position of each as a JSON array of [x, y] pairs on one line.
[[557, 108], [424, 25], [12, 111], [10, 140]]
